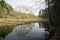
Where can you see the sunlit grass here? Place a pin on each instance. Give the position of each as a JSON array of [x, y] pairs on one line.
[[18, 18]]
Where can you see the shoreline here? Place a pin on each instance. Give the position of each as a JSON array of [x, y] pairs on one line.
[[18, 22]]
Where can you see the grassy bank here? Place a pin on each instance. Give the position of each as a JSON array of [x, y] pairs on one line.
[[7, 24], [18, 18]]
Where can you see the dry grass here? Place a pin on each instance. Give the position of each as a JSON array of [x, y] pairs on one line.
[[18, 18]]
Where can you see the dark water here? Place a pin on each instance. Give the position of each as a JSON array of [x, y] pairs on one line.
[[32, 31]]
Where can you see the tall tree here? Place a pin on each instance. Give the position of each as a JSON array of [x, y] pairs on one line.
[[7, 7], [56, 9]]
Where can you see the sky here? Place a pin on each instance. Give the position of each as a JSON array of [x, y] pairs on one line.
[[27, 3]]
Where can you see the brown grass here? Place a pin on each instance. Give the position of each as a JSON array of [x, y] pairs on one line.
[[18, 18]]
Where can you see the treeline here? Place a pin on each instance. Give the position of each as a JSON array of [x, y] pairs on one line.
[[53, 12]]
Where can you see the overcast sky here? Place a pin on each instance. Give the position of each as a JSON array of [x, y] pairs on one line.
[[28, 3]]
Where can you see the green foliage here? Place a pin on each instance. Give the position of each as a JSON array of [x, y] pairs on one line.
[[3, 9], [8, 6]]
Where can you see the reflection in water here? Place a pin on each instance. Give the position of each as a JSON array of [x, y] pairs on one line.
[[27, 32]]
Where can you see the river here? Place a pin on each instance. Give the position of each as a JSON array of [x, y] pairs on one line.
[[32, 31]]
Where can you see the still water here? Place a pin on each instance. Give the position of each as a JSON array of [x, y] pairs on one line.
[[32, 31]]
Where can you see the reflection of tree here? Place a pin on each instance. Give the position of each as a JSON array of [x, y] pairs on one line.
[[23, 29], [5, 31], [44, 24], [50, 29]]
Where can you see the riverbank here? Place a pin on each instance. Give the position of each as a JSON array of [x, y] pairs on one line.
[[15, 18], [7, 24], [14, 22]]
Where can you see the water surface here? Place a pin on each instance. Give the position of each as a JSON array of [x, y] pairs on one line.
[[32, 31]]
